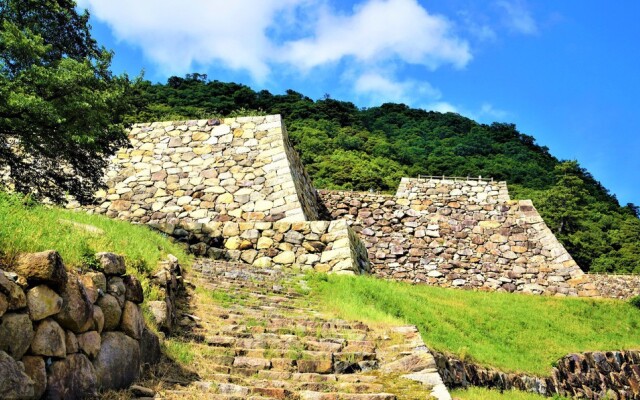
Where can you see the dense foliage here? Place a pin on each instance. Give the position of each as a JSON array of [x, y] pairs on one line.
[[61, 108], [344, 147]]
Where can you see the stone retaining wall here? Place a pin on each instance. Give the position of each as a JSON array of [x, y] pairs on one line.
[[446, 234], [591, 375], [326, 246], [62, 332], [240, 169]]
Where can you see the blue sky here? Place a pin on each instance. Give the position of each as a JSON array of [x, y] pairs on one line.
[[566, 72]]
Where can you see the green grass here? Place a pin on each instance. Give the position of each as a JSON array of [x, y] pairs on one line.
[[29, 227], [512, 332], [178, 351], [486, 394]]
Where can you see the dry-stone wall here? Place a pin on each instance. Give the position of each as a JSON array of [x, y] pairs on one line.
[[240, 169], [62, 332], [460, 233], [591, 375]]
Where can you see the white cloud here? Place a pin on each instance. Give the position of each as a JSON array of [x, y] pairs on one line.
[[379, 88], [380, 30], [488, 111], [177, 35], [518, 18], [442, 106], [260, 35]]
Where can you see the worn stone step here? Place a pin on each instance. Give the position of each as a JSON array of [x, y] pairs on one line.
[[312, 395]]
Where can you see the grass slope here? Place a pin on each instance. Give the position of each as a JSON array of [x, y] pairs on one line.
[[486, 394], [28, 227], [514, 333]]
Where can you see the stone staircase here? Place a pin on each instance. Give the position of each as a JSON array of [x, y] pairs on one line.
[[258, 335]]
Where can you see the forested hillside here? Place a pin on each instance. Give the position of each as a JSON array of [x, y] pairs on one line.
[[344, 147]]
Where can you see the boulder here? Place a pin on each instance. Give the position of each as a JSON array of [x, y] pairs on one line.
[[111, 264], [45, 266], [90, 287], [72, 378], [90, 343], [4, 304], [161, 314], [118, 363], [71, 342], [150, 351], [98, 319], [13, 294], [133, 289], [77, 309], [111, 311], [116, 288], [16, 333], [14, 382], [34, 367], [49, 340], [43, 302], [132, 323]]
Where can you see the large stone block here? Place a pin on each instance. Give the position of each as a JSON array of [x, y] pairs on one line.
[[43, 302], [45, 266], [77, 309], [72, 378], [14, 382], [118, 363], [16, 333], [49, 340]]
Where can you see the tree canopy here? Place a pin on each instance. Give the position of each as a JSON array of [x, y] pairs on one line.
[[61, 108]]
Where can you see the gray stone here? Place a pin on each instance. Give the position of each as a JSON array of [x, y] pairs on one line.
[[72, 378], [111, 311], [34, 367], [49, 340], [77, 309], [132, 323], [45, 266], [150, 351], [89, 343], [111, 264], [43, 302], [133, 289], [14, 382], [118, 364], [16, 333], [161, 314], [13, 296]]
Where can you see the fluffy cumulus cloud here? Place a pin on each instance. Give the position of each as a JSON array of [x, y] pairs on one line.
[[380, 30]]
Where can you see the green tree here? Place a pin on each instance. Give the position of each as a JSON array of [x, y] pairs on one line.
[[61, 108]]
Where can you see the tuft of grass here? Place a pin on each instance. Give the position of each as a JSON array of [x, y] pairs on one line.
[[512, 332], [489, 394], [176, 350], [29, 227]]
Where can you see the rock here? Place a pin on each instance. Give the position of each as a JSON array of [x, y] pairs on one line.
[[116, 288], [286, 257], [14, 382], [43, 302], [412, 363], [49, 340], [111, 311], [13, 295], [111, 264], [150, 351], [34, 367], [133, 289], [132, 323], [45, 266], [264, 242], [71, 342], [77, 311], [4, 304], [98, 319], [16, 333], [140, 391], [263, 262], [161, 314], [72, 378], [118, 364], [89, 286], [89, 343]]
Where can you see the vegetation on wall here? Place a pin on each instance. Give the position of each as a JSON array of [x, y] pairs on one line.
[[344, 147]]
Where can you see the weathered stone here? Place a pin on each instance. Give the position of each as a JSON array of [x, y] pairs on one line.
[[90, 343], [161, 314], [71, 342], [286, 257], [72, 378], [111, 311], [118, 363], [49, 340], [45, 266], [98, 319], [35, 369], [14, 382], [43, 302], [116, 288], [4, 304], [77, 310], [13, 297], [133, 289], [263, 262], [111, 264], [415, 362], [132, 323], [150, 351], [16, 333]]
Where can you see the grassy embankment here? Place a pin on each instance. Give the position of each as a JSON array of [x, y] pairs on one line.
[[29, 227], [486, 394], [512, 332]]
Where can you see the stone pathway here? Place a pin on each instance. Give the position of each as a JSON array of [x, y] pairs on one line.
[[258, 336]]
